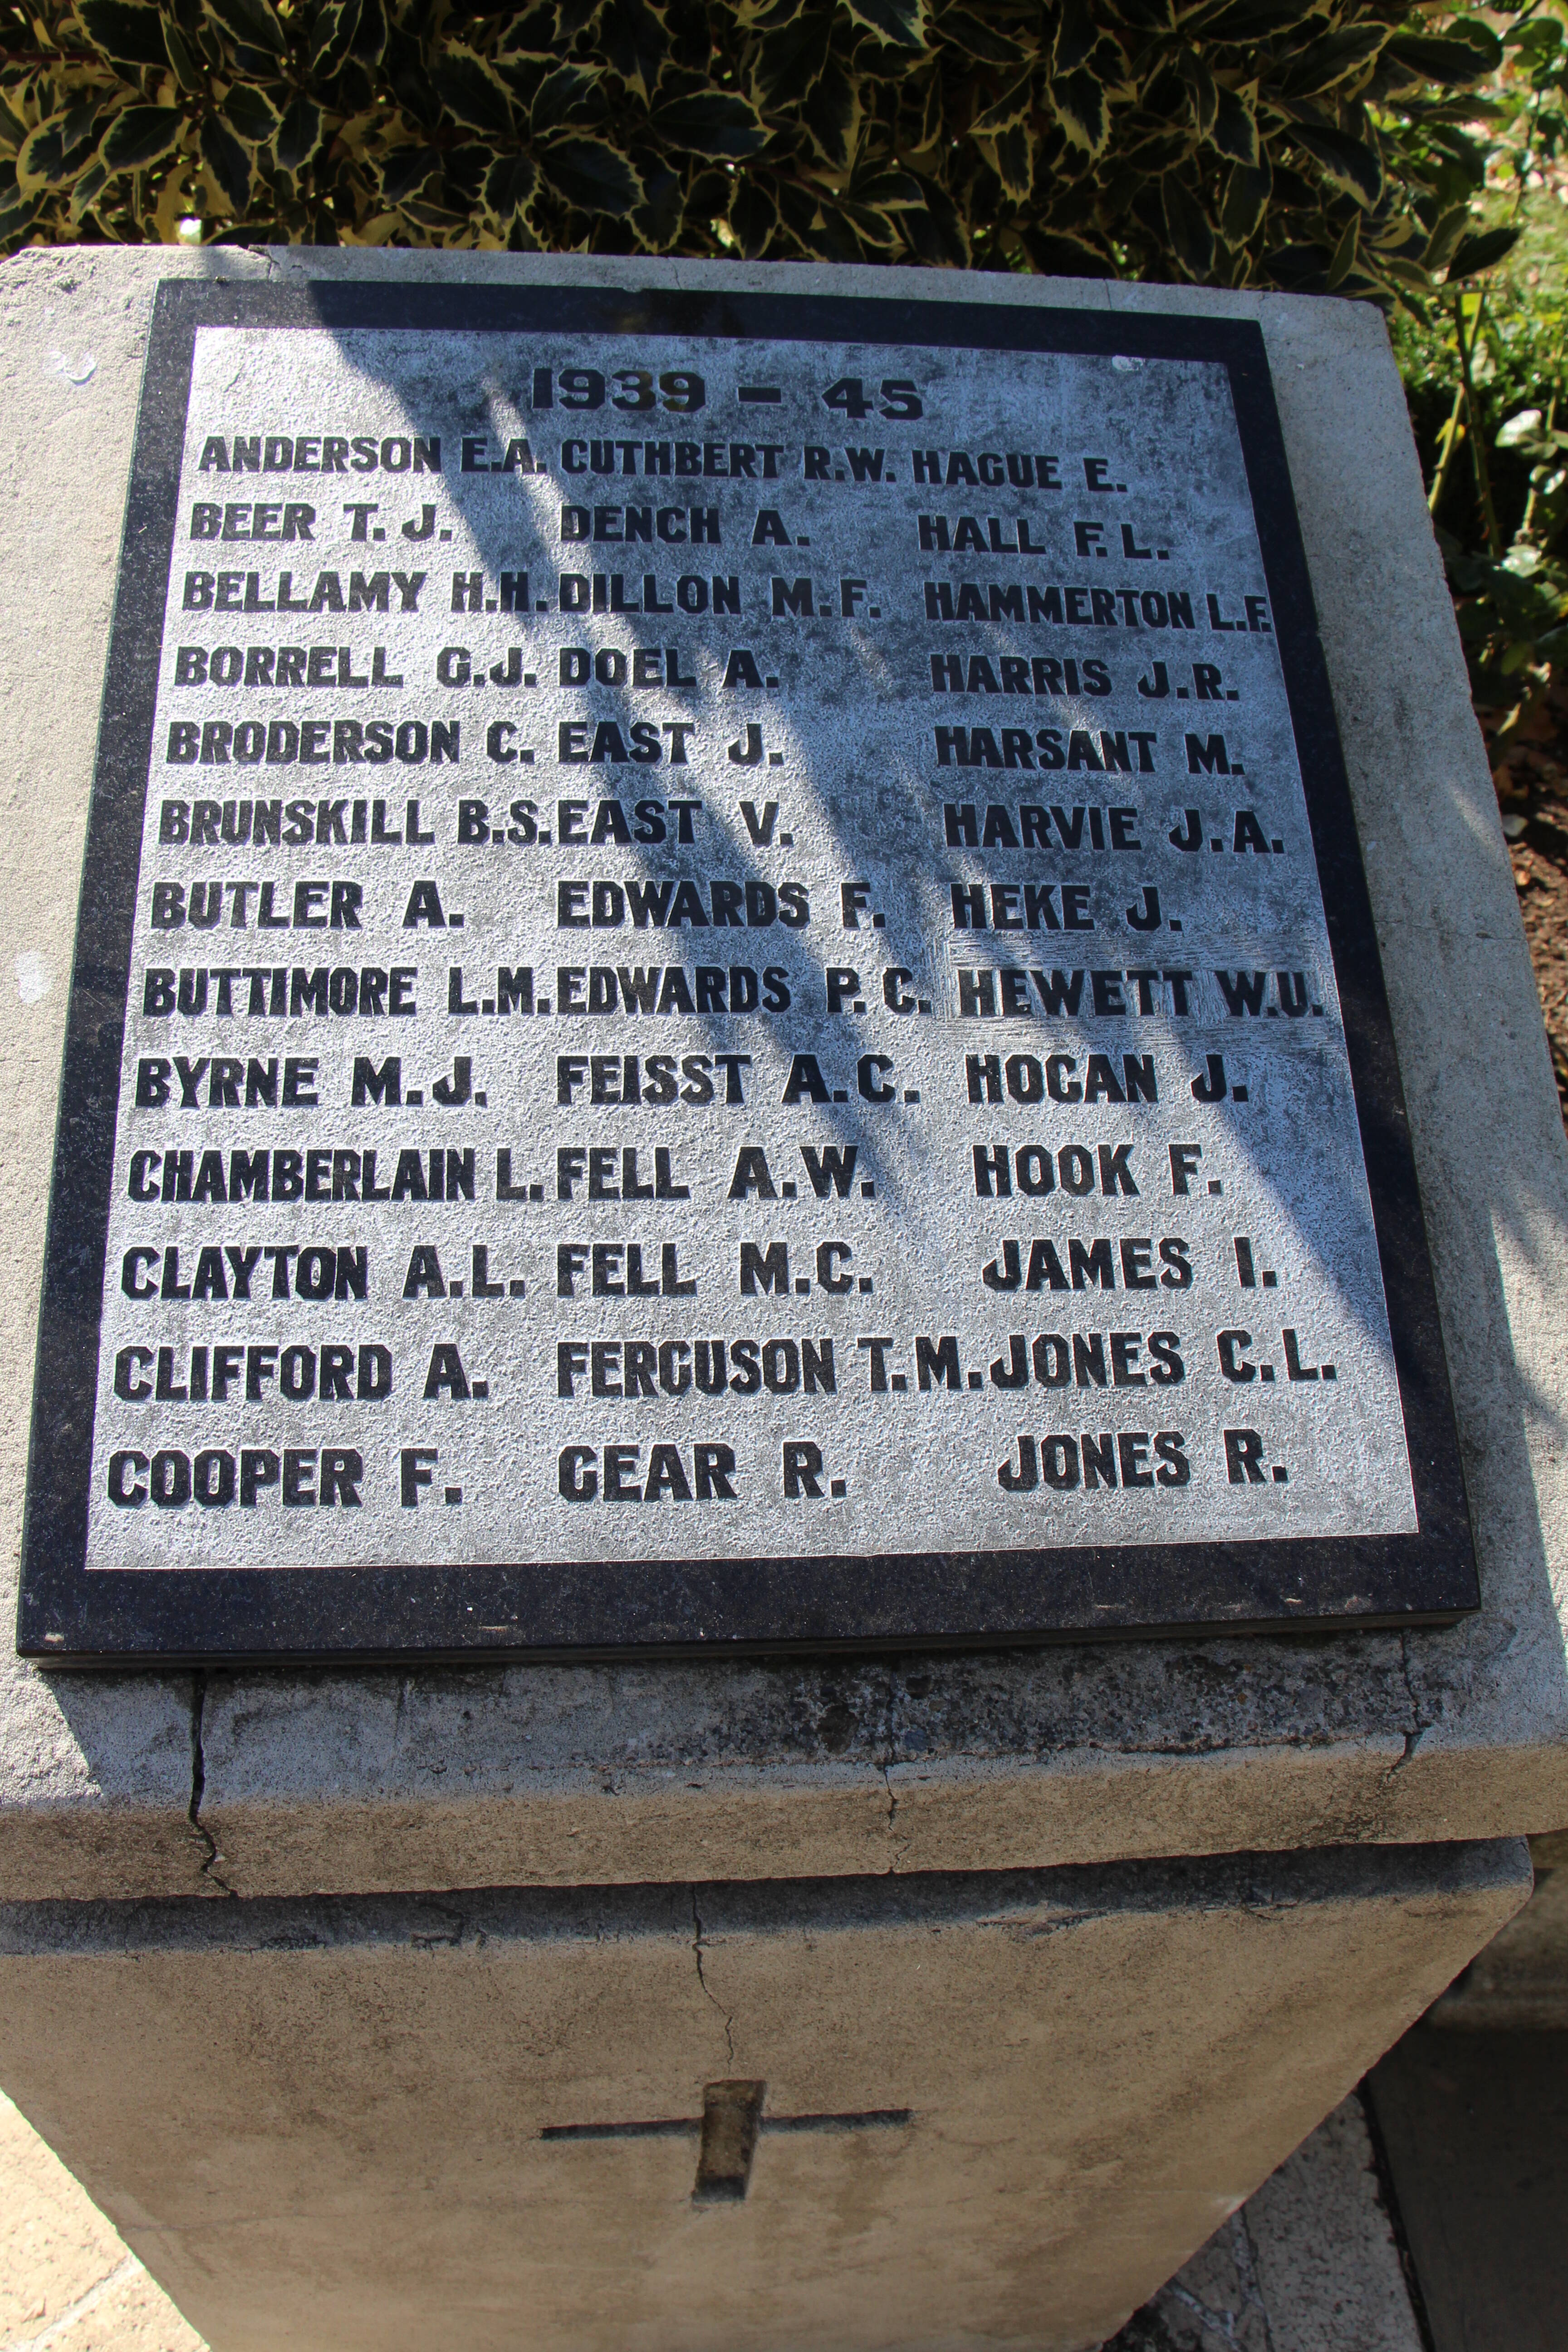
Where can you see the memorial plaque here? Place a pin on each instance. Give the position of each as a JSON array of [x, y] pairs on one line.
[[724, 995]]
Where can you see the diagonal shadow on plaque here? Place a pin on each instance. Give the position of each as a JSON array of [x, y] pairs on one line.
[[718, 309]]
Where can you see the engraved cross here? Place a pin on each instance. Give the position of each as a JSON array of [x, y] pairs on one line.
[[727, 2134]]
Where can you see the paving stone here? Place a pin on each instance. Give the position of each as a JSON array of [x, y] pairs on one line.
[[66, 2278]]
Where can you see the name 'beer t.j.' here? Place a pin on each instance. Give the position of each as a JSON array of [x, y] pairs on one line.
[[724, 995]]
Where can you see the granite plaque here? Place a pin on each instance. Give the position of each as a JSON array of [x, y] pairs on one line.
[[724, 995]]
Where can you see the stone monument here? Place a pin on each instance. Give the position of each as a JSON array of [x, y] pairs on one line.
[[909, 935]]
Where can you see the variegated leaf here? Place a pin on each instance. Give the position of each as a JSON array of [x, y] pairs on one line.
[[247, 114], [835, 118], [509, 185], [560, 97], [711, 122], [1079, 104], [129, 31], [1347, 163], [966, 29], [41, 162], [901, 23], [227, 160], [299, 133], [1014, 154], [1234, 129], [1015, 103], [253, 23], [472, 91], [590, 173], [138, 136]]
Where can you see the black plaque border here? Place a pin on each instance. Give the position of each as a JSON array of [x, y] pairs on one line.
[[567, 1611]]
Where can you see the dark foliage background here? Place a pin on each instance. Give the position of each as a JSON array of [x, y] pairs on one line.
[[1235, 142], [1364, 147]]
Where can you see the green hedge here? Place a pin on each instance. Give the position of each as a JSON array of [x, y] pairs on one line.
[[1240, 143]]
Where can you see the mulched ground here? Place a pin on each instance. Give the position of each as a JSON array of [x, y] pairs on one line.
[[1541, 871], [1532, 789]]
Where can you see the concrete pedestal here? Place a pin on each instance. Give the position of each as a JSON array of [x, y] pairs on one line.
[[1115, 1925], [999, 2108]]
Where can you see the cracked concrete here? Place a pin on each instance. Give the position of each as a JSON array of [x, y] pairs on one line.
[[210, 1867], [892, 1808], [393, 1778], [702, 1979]]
